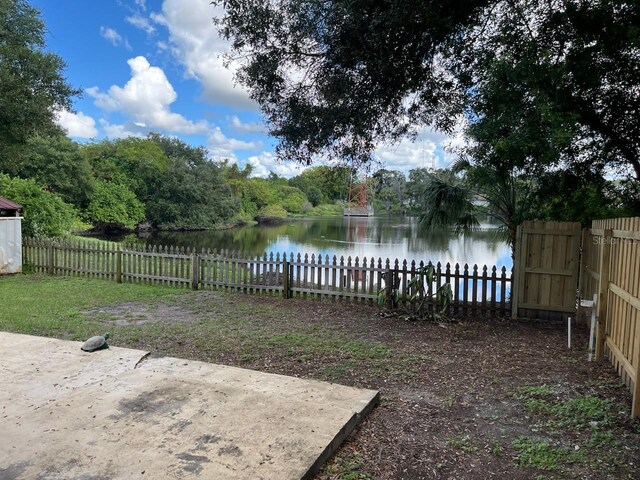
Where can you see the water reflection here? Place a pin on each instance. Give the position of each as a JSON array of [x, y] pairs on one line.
[[385, 237]]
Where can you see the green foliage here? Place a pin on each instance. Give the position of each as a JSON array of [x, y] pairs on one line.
[[584, 196], [32, 84], [447, 202], [45, 214], [347, 468], [541, 454], [326, 210], [362, 61], [259, 192], [315, 196], [138, 163], [177, 184], [545, 88], [420, 285], [272, 212], [58, 164], [389, 187], [291, 198], [463, 444], [114, 206], [559, 93], [578, 413]]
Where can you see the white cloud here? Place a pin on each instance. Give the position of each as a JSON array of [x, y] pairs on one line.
[[266, 163], [146, 99], [77, 125], [111, 35], [141, 4], [220, 146], [198, 47], [115, 131], [141, 23], [241, 126], [408, 154]]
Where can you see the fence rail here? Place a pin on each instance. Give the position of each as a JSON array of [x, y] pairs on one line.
[[479, 291]]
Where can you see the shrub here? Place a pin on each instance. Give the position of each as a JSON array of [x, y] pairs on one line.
[[114, 206], [45, 214], [271, 213]]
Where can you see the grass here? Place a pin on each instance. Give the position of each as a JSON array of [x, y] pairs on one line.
[[69, 308], [48, 306], [589, 419], [544, 455], [577, 413]]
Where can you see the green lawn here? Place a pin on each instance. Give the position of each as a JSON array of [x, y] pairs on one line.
[[52, 306]]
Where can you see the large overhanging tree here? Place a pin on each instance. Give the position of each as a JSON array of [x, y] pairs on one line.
[[336, 77], [543, 84]]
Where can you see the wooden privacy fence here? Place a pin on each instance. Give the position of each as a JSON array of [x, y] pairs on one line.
[[476, 291], [610, 270], [546, 270]]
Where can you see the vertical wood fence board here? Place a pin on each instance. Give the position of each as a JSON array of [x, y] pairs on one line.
[[546, 269]]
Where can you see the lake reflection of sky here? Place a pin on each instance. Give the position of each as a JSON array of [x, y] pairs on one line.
[[384, 237]]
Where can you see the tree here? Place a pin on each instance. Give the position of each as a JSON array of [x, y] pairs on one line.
[[114, 207], [389, 187], [544, 85], [499, 193], [32, 85], [416, 184], [335, 78], [555, 84], [45, 214], [56, 163]]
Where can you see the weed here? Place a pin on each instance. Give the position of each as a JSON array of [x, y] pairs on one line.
[[463, 444], [496, 447], [449, 401], [534, 391], [346, 468], [581, 412], [541, 454], [535, 405]]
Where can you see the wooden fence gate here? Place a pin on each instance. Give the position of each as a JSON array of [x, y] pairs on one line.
[[610, 270], [546, 270]]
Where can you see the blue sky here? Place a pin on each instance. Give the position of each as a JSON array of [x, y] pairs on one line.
[[156, 65]]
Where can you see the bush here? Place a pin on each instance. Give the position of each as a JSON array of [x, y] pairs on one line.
[[272, 213], [45, 214], [114, 206], [291, 199]]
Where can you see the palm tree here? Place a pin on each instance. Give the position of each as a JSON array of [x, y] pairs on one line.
[[448, 200]]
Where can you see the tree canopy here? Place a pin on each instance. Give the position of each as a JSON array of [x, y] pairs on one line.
[[32, 85], [336, 77], [540, 84]]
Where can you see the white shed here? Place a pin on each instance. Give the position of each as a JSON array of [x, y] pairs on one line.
[[10, 237]]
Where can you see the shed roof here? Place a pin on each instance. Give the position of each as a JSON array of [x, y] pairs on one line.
[[6, 204]]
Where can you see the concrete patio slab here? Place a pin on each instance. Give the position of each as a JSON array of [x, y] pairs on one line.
[[119, 414]]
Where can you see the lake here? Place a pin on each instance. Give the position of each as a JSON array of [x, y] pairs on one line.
[[383, 236]]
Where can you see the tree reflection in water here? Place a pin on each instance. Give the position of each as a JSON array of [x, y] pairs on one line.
[[385, 237]]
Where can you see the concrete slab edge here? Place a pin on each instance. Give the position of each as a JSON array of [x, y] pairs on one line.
[[340, 437]]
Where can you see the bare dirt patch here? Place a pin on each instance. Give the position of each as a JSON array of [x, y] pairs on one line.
[[139, 314]]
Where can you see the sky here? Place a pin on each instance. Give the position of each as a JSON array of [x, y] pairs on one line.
[[157, 66]]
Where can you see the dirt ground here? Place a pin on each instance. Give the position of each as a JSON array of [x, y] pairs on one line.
[[472, 400]]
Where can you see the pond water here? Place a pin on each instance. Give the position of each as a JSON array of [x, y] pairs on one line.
[[384, 237]]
